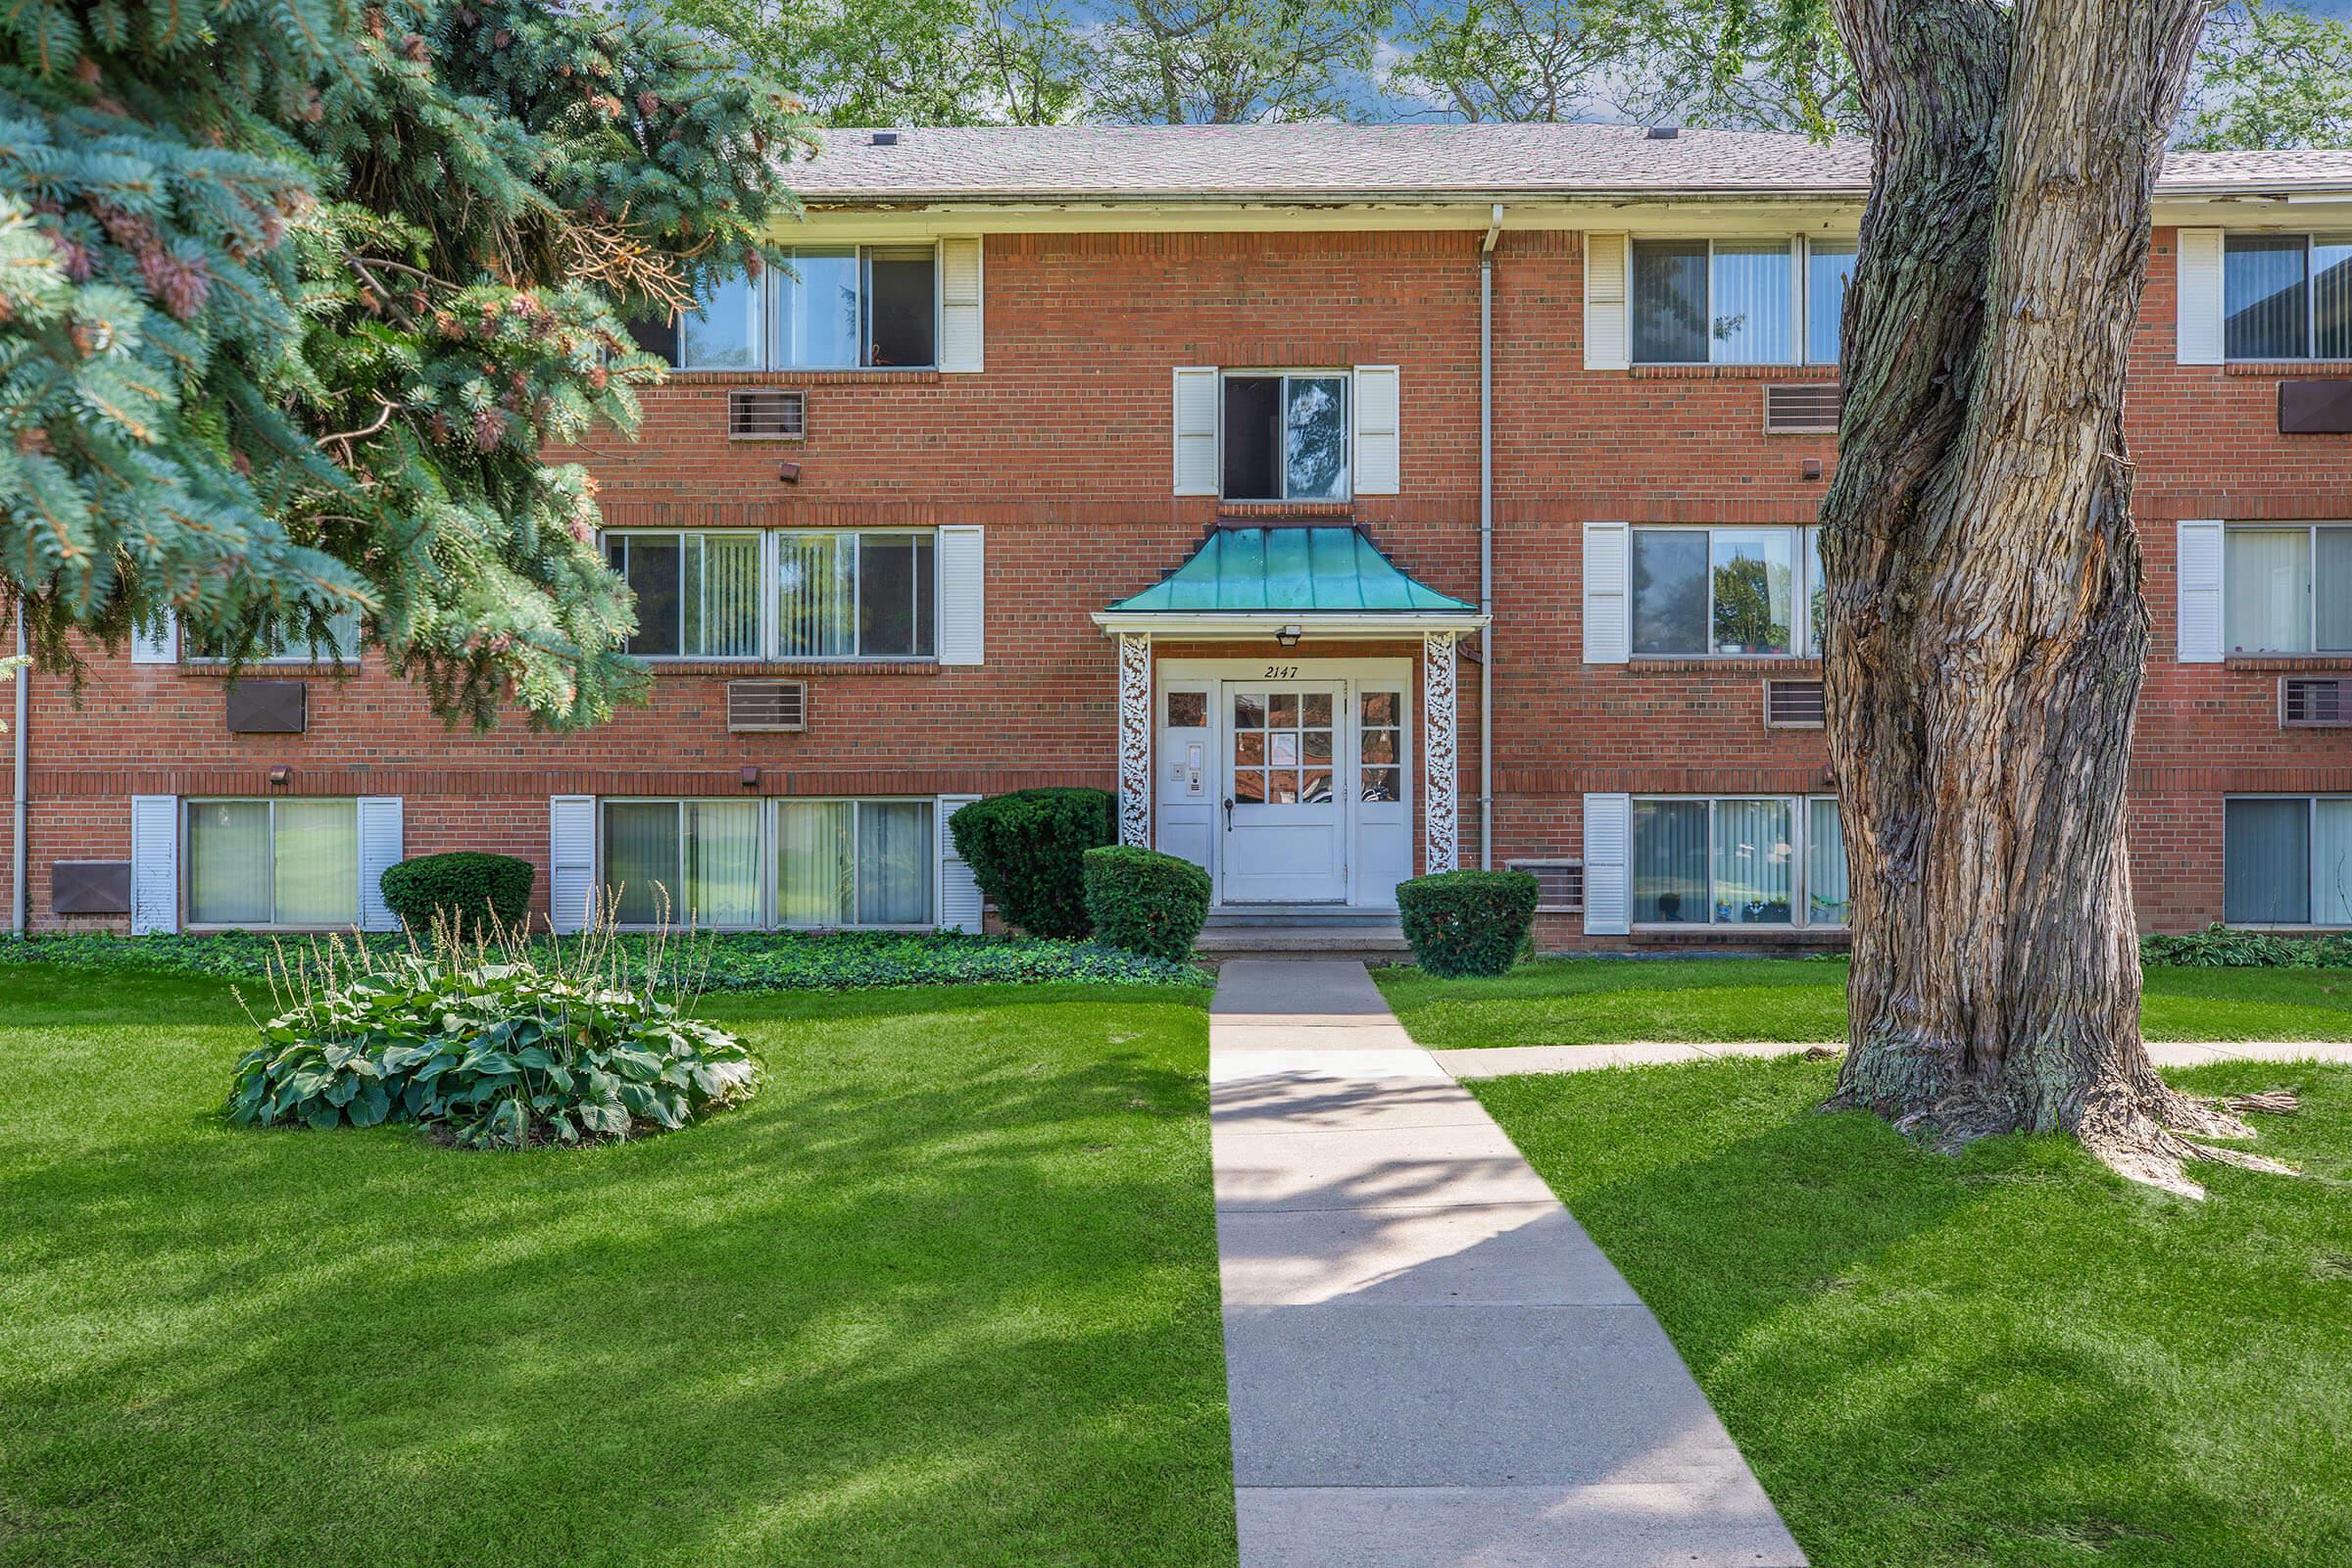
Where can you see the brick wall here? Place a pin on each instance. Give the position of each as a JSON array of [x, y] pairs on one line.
[[1061, 448]]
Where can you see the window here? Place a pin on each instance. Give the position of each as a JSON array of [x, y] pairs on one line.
[[855, 595], [1738, 302], [2287, 860], [294, 647], [1380, 743], [2287, 589], [2287, 296], [1286, 436], [697, 594], [1700, 591], [1766, 861], [291, 863], [838, 307], [1282, 747], [718, 864]]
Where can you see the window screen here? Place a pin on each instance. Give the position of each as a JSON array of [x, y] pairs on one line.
[[900, 318]]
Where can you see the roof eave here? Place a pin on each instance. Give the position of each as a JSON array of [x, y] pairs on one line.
[[1310, 622]]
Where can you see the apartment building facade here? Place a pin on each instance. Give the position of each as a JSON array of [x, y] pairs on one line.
[[1354, 501]]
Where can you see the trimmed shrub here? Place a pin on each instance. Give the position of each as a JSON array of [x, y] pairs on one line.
[[476, 893], [495, 1055], [1027, 852], [1467, 922], [1146, 902], [2220, 947]]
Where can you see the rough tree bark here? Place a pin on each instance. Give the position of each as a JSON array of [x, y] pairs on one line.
[[1985, 631]]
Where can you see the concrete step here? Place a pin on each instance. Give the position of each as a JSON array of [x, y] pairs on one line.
[[1289, 915], [1373, 942]]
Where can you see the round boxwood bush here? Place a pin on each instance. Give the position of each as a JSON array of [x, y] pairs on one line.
[[1146, 902], [476, 894], [1026, 850], [1467, 922]]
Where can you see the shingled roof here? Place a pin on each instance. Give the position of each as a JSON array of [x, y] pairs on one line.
[[1404, 163]]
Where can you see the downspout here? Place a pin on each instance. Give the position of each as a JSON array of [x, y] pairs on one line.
[[23, 682], [1486, 540]]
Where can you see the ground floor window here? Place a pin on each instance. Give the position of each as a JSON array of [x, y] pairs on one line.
[[1738, 860], [2286, 860], [745, 864], [292, 862]]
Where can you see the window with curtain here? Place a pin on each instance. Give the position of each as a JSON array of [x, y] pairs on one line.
[[829, 307], [2288, 589], [698, 592], [817, 863], [709, 862], [2287, 860], [1737, 302], [1738, 860], [293, 645], [2287, 296], [1699, 591], [290, 862], [857, 594]]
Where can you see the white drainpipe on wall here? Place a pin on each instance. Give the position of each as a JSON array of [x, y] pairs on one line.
[[17, 905], [1485, 541]]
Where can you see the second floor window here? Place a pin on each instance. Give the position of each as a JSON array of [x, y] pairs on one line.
[[789, 593], [840, 307], [1286, 435], [1707, 591], [698, 593], [857, 596], [2287, 297], [2286, 590], [1738, 302]]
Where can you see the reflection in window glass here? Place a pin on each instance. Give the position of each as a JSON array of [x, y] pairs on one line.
[[726, 333], [1187, 710], [1752, 303], [818, 328], [1669, 304], [1670, 590], [1315, 438], [1754, 863], [1670, 861], [1829, 900], [1755, 588], [2332, 296], [1828, 269]]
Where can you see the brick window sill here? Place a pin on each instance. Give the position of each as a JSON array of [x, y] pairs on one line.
[[792, 669], [909, 377], [1735, 936], [1735, 372], [275, 669], [1721, 663], [2287, 367], [1245, 513], [2327, 664]]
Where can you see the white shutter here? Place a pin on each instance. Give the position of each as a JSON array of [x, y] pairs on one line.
[[959, 900], [1196, 429], [2197, 323], [154, 863], [379, 851], [962, 593], [2197, 591], [1379, 458], [960, 332], [1608, 871], [571, 862], [1606, 330], [1609, 626], [158, 644]]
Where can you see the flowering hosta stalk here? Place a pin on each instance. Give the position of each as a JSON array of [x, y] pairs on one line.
[[498, 1056]]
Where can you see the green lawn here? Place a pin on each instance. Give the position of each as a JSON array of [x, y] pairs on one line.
[[2010, 1358], [945, 1293], [1579, 1002]]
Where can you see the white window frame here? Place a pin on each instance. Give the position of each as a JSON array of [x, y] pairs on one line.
[[188, 805], [1801, 256], [771, 584], [2311, 603], [297, 656], [774, 281], [1346, 377], [1800, 847], [2311, 299], [1800, 632], [769, 806], [2311, 851]]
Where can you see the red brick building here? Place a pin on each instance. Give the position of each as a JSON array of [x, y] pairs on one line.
[[1354, 501]]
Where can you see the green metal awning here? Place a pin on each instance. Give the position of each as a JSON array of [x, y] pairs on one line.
[[1325, 580]]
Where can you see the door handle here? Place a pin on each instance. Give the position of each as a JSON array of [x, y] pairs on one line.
[[1228, 813]]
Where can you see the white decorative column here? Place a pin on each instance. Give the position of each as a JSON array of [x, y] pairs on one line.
[[1135, 739], [1440, 826]]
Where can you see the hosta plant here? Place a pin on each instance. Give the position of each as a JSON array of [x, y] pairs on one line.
[[492, 1050]]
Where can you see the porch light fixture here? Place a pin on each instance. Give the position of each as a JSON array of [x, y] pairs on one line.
[[280, 777], [1288, 636]]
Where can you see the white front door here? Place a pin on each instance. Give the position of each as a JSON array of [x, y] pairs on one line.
[[1284, 818]]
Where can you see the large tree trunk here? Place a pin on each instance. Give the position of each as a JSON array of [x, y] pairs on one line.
[[1985, 631]]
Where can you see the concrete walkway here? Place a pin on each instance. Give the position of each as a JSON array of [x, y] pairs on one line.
[[1429, 1362], [1497, 1061]]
